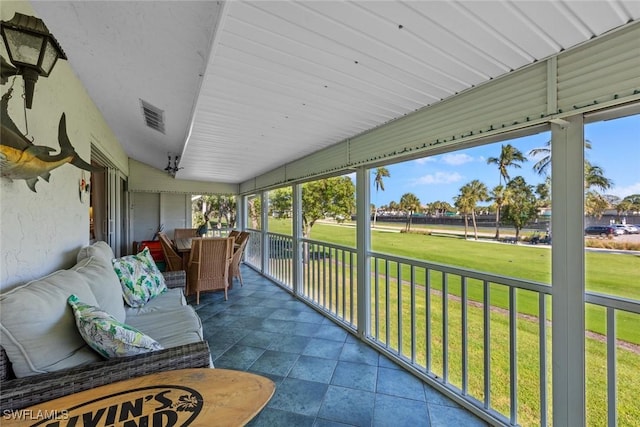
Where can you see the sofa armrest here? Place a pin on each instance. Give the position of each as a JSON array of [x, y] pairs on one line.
[[175, 279], [24, 392]]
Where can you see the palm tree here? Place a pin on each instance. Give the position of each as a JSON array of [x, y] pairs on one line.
[[478, 192], [594, 177], [428, 209], [410, 203], [509, 157], [595, 204], [436, 206], [381, 173], [441, 207], [543, 190], [542, 166], [470, 194], [623, 207], [463, 203], [634, 199], [498, 195]]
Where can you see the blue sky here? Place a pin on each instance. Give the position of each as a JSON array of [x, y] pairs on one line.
[[615, 148]]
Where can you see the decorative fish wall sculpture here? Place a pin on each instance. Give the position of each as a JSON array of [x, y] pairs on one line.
[[21, 159]]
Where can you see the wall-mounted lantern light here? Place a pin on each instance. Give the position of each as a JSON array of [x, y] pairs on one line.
[[32, 50]]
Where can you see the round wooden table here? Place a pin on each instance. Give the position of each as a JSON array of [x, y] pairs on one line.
[[186, 397]]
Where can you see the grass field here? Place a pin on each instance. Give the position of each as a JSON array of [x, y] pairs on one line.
[[606, 273]]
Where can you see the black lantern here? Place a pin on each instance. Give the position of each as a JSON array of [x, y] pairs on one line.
[[32, 49]]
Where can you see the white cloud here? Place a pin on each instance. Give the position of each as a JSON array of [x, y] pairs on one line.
[[426, 160], [623, 192], [457, 159], [438, 178], [452, 159]]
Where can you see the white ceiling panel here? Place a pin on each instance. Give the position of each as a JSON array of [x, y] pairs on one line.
[[430, 56], [554, 22], [466, 21], [442, 27]]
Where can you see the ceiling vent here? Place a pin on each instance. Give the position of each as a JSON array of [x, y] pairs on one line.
[[153, 116]]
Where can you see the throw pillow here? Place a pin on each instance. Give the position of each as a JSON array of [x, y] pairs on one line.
[[139, 277], [106, 335]]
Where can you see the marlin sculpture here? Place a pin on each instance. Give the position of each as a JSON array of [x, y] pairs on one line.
[[21, 159]]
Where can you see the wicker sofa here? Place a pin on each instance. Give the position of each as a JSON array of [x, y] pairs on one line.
[[43, 356]]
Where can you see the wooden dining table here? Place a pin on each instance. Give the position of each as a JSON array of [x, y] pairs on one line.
[[183, 244], [183, 247]]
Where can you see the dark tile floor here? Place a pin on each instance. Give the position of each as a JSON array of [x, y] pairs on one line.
[[324, 376]]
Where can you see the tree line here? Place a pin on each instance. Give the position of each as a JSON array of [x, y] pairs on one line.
[[513, 200]]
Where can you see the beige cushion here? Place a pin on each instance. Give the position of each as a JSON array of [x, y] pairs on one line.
[[98, 249], [170, 328], [171, 299], [37, 327], [176, 340], [103, 282]]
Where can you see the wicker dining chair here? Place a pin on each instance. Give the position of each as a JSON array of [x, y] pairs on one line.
[[234, 234], [183, 233], [174, 260], [209, 262], [234, 269]]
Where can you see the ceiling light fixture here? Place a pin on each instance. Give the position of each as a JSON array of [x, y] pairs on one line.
[[172, 169], [32, 50]]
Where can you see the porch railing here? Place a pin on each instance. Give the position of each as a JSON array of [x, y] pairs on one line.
[[329, 280], [460, 328], [253, 250], [621, 314], [482, 337], [280, 266]]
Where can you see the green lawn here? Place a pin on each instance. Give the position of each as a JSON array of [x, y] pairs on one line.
[[611, 274]]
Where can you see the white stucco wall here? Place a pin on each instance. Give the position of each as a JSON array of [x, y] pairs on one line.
[[41, 232]]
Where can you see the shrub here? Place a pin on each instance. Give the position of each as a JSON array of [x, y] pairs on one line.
[[425, 232], [612, 244]]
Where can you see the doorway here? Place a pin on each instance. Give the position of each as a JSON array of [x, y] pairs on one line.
[[108, 208]]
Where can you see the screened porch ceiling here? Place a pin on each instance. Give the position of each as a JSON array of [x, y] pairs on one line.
[[246, 86]]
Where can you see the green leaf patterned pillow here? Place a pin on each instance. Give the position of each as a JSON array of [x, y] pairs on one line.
[[106, 335], [139, 277]]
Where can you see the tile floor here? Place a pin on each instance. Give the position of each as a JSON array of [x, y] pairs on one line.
[[324, 376]]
